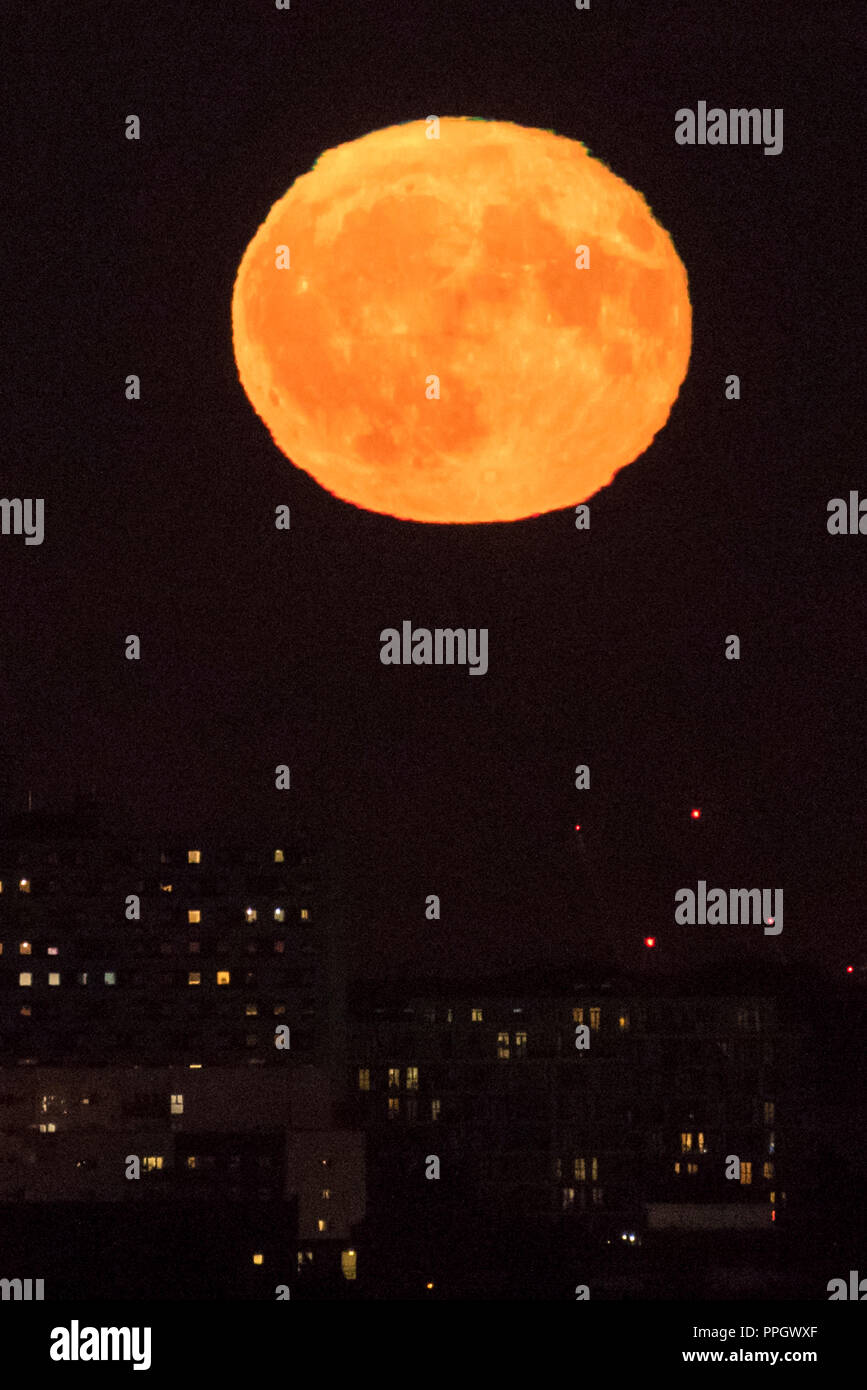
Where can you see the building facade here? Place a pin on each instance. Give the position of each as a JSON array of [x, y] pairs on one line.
[[170, 1023], [599, 1099], [113, 949]]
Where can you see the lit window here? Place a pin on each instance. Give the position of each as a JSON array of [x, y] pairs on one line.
[[326, 1194], [177, 1105], [579, 1169], [521, 1044], [771, 1144], [595, 1018], [53, 977], [258, 1259], [194, 978], [279, 914], [194, 915], [1, 885], [702, 1146], [568, 1198], [25, 978], [746, 1173], [449, 1015], [435, 1108], [772, 1197], [597, 1196], [252, 1010], [25, 949], [1, 948], [25, 1011], [623, 1023], [222, 977], [364, 1078], [349, 1264], [685, 1143], [47, 1129], [279, 1010], [110, 977], [577, 1015], [322, 1224], [52, 950], [503, 1047], [476, 1016], [152, 1162], [594, 1169], [393, 1107], [166, 887], [394, 1078], [24, 885], [692, 1168], [768, 1171], [191, 1160], [82, 978], [278, 856], [251, 914], [677, 1167], [194, 856], [305, 915], [412, 1078], [769, 1112]]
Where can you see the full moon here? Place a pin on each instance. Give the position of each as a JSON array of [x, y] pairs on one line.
[[461, 320]]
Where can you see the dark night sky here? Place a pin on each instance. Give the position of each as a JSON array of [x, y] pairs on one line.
[[606, 646]]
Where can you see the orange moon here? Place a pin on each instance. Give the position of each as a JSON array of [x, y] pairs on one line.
[[411, 323]]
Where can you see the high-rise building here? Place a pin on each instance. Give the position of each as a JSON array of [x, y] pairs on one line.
[[605, 1098], [170, 1020], [169, 951]]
